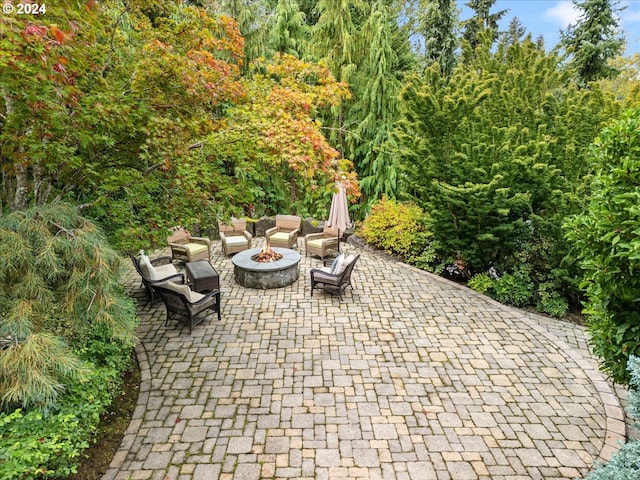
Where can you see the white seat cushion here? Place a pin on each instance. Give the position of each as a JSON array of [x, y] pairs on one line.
[[280, 236], [184, 290], [317, 243], [196, 247], [345, 263], [147, 268], [164, 271], [236, 241]]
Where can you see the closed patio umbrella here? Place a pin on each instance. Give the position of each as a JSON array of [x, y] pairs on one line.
[[339, 212]]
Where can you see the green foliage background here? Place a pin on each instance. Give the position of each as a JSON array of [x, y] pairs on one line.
[[607, 241]]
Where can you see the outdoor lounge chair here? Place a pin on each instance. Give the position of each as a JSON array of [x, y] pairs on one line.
[[179, 299], [234, 236], [334, 279], [184, 245], [155, 272], [321, 243], [285, 233]]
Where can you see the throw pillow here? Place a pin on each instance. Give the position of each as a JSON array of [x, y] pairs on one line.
[[147, 267], [336, 263], [345, 263]]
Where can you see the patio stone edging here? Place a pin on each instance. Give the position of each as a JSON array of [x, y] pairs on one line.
[[614, 413]]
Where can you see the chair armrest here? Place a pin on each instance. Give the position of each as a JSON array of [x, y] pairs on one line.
[[293, 233], [270, 231], [313, 236], [204, 240], [223, 237], [247, 235], [324, 277], [171, 278], [161, 261], [178, 246], [206, 297]]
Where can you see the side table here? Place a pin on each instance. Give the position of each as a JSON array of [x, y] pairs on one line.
[[202, 276]]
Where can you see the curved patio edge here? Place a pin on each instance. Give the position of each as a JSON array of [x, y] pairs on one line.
[[614, 413]]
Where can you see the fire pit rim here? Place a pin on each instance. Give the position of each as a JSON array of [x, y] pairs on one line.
[[243, 260]]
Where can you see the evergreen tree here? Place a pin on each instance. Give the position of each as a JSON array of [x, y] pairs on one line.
[[481, 20], [290, 34], [594, 40], [438, 23], [310, 10], [370, 121], [495, 154], [334, 39]]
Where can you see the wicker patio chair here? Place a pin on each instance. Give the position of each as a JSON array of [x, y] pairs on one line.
[[322, 243], [334, 279], [183, 244], [155, 272], [179, 299], [234, 236], [285, 233]]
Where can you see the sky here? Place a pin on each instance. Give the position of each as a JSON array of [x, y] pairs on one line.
[[547, 17]]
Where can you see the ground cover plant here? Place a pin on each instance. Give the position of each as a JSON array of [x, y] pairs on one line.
[[624, 464], [67, 334]]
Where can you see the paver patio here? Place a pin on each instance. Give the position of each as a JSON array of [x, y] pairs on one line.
[[411, 377]]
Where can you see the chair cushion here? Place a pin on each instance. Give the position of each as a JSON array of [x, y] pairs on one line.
[[196, 247], [281, 236], [235, 241], [344, 264], [336, 264], [146, 267], [192, 296], [164, 271], [176, 287], [317, 243]]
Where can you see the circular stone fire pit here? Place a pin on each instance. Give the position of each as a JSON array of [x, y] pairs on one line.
[[280, 273]]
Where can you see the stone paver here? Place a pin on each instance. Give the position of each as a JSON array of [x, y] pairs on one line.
[[410, 377]]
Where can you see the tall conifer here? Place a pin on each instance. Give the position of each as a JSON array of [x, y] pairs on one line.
[[438, 23], [594, 40]]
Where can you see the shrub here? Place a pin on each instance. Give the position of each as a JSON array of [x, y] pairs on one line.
[[624, 465], [397, 228], [483, 283], [511, 288], [550, 301], [607, 240], [66, 336]]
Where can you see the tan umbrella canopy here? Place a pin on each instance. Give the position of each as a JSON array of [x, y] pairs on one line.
[[339, 213]]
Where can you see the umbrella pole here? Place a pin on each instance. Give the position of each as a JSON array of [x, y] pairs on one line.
[[338, 240]]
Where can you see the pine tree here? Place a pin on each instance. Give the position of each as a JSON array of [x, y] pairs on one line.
[[371, 119], [438, 23], [290, 34], [594, 40], [334, 39], [59, 287], [481, 20]]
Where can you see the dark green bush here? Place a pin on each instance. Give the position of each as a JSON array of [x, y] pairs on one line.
[[607, 241]]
